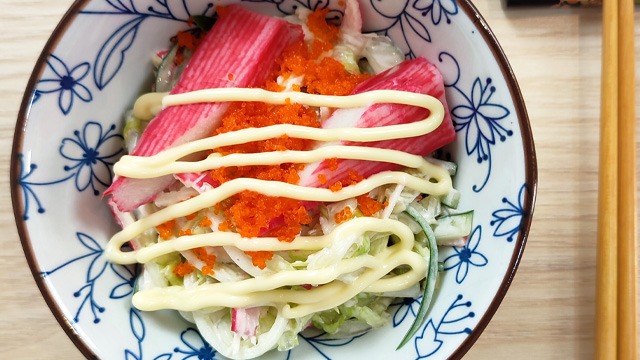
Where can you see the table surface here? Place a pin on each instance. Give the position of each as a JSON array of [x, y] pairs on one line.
[[548, 311]]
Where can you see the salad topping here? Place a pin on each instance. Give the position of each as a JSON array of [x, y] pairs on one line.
[[299, 197]]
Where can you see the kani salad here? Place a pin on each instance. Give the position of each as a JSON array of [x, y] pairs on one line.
[[279, 179]]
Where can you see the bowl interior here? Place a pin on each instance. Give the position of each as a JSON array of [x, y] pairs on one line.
[[68, 136]]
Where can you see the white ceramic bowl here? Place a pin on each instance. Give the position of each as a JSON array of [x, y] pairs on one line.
[[67, 138]]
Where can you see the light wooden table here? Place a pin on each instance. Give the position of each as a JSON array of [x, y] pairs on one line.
[[547, 313]]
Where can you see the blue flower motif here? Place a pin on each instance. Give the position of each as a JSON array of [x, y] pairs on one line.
[[321, 343], [290, 7], [93, 152], [452, 322], [139, 332], [466, 256], [402, 20], [407, 306], [28, 186], [428, 340], [480, 118], [125, 288], [438, 9], [96, 268], [113, 50], [196, 346], [66, 82], [508, 220]]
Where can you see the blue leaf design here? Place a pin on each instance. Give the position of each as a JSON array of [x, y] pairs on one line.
[[125, 288], [417, 26], [137, 326], [111, 55], [427, 343], [508, 220], [122, 7], [163, 357], [196, 346], [407, 306], [452, 323], [96, 268], [129, 355], [89, 242], [121, 290]]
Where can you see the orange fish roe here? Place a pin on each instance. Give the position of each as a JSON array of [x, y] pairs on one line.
[[321, 30], [188, 40], [184, 232], [257, 114], [330, 77], [165, 230], [260, 258], [207, 270], [354, 177], [326, 76], [208, 259], [370, 206], [205, 222], [343, 215], [337, 186], [332, 164], [322, 75], [183, 268], [224, 226], [252, 214], [191, 216], [322, 178], [284, 172]]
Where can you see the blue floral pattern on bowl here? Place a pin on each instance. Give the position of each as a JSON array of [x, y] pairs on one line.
[[66, 83], [466, 256], [73, 138]]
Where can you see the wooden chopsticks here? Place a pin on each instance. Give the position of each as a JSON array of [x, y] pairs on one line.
[[627, 213], [607, 250], [616, 313]]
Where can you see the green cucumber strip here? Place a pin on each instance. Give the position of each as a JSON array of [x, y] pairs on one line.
[[432, 273], [451, 199], [453, 226], [429, 208], [166, 70], [451, 167]]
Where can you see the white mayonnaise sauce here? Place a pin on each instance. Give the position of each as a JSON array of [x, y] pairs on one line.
[[270, 289]]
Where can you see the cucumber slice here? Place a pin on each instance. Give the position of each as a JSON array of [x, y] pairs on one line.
[[453, 227], [450, 166], [429, 208], [168, 72], [431, 277], [451, 199], [165, 70]]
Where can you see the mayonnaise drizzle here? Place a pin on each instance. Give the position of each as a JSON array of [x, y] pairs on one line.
[[264, 290], [135, 166], [267, 289], [418, 128], [271, 188]]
